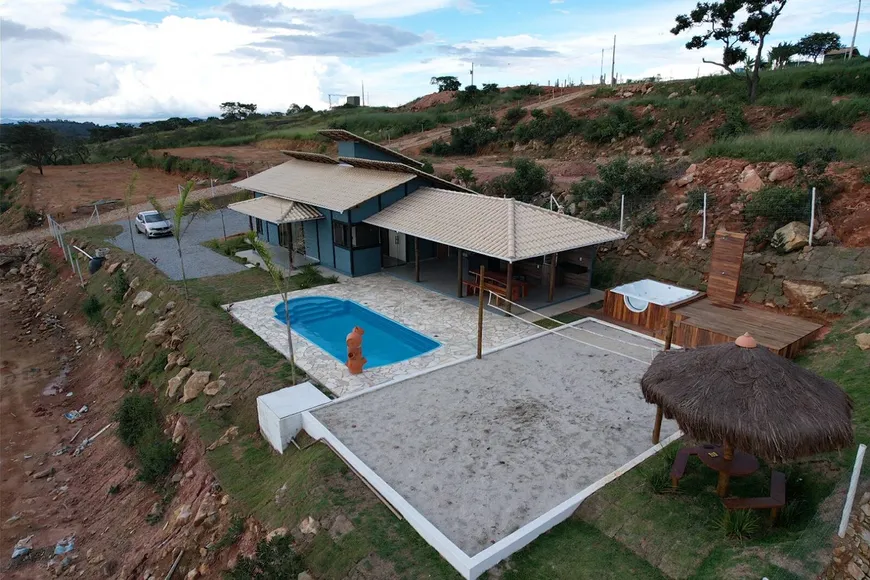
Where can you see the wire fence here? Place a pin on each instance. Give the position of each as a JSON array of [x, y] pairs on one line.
[[73, 255]]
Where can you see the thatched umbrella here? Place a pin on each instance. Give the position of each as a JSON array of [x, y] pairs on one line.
[[749, 398]]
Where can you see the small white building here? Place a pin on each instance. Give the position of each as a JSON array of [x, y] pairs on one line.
[[280, 413]]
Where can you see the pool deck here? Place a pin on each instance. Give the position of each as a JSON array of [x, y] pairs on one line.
[[449, 321], [490, 453]]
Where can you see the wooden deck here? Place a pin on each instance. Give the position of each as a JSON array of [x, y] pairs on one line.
[[703, 323]]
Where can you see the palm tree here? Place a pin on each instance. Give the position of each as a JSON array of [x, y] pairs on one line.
[[282, 284], [183, 208]]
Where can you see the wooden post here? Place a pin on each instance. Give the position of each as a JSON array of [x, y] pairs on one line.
[[416, 259], [459, 272], [552, 289], [669, 334], [724, 477], [510, 285], [480, 312], [657, 428]]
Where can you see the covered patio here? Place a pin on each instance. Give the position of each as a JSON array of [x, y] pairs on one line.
[[528, 254]]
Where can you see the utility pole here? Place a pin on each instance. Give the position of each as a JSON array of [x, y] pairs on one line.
[[472, 73], [601, 76], [855, 33], [613, 64], [362, 92]]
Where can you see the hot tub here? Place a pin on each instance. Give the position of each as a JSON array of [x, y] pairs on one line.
[[646, 303]]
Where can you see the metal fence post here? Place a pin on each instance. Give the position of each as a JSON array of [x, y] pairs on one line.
[[853, 484], [812, 215], [622, 213], [97, 211], [78, 268], [704, 225]]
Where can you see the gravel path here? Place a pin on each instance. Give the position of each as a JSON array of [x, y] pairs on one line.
[[199, 261], [113, 216]]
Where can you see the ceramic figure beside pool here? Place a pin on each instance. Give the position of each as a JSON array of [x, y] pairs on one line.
[[326, 321], [355, 359]]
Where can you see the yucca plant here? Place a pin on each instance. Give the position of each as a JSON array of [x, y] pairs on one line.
[[183, 208], [739, 524]]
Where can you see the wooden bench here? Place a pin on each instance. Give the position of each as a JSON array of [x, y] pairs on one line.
[[678, 469], [775, 501]]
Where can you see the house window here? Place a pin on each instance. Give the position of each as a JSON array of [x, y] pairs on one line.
[[259, 227], [366, 236], [340, 234]]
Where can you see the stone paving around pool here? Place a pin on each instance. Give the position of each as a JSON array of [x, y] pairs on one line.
[[450, 322]]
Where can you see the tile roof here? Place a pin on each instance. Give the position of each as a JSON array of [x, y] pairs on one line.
[[337, 186], [343, 135], [276, 210], [498, 227]]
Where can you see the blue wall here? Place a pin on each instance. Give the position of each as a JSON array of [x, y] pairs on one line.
[[345, 149], [309, 229], [367, 261], [363, 151], [342, 260], [365, 210], [325, 227]]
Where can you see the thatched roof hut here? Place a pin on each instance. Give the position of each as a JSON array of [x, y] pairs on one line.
[[751, 398]]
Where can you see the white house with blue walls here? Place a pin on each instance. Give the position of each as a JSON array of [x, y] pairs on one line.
[[372, 208]]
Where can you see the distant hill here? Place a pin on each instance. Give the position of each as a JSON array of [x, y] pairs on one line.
[[63, 127]]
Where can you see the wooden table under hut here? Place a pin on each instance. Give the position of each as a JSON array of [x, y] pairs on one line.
[[746, 402]]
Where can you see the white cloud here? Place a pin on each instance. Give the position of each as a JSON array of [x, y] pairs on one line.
[[139, 5]]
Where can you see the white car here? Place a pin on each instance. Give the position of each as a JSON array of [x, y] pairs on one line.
[[152, 224]]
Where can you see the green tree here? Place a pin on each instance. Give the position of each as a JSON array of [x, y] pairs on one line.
[[33, 144], [465, 176], [526, 182], [293, 109], [183, 208], [282, 284], [818, 43], [232, 111], [446, 83], [721, 23], [780, 55]]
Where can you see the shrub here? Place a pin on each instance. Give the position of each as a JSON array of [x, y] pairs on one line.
[[120, 285], [93, 309], [654, 137], [648, 219], [603, 91], [617, 124], [132, 378], [779, 204], [232, 535], [514, 115], [659, 481], [136, 415], [735, 124], [811, 165], [427, 167], [785, 145], [526, 182], [157, 455], [272, 560], [695, 198], [829, 116], [546, 127], [593, 192], [739, 524], [636, 180]]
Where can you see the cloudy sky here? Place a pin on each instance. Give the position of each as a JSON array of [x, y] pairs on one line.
[[110, 60]]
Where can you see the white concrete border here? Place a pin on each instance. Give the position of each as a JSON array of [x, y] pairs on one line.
[[472, 567]]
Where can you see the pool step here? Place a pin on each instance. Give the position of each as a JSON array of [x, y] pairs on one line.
[[310, 309]]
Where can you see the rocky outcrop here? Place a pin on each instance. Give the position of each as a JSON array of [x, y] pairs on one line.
[[803, 292], [141, 299], [194, 385], [159, 332], [855, 281], [175, 383], [863, 340], [781, 173], [851, 558], [749, 180], [790, 237]]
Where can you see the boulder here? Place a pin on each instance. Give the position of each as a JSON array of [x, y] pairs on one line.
[[194, 385], [341, 526], [863, 340], [214, 387], [171, 361], [182, 361], [175, 382], [276, 533], [134, 283], [207, 508], [794, 236], [228, 436], [802, 291], [681, 208], [686, 180], [175, 341], [169, 307], [112, 267], [781, 173], [178, 432], [674, 95], [749, 180], [181, 515], [855, 281], [159, 332], [309, 526], [141, 299]]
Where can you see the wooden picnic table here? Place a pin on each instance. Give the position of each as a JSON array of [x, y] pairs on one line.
[[501, 279], [713, 456]]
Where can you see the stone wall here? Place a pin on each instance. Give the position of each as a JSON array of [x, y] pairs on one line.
[[851, 559], [827, 279]]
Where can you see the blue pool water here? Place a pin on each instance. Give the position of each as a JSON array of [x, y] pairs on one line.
[[327, 321]]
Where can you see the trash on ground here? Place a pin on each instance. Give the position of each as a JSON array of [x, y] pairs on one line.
[[64, 546], [23, 547], [61, 451], [74, 416], [86, 443]]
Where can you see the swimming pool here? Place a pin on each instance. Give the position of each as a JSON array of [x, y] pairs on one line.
[[327, 321]]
